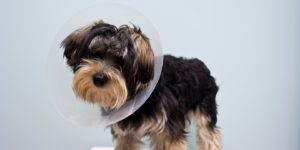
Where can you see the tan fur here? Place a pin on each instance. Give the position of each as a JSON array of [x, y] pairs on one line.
[[206, 139], [129, 142], [163, 141], [113, 94], [144, 53], [143, 47], [73, 59], [159, 136], [149, 125], [160, 139]]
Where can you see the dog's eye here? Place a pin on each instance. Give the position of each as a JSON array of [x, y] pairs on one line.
[[97, 55], [120, 61]]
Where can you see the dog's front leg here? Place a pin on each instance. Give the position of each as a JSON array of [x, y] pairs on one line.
[[164, 141], [126, 140]]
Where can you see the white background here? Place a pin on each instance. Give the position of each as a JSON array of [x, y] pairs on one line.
[[251, 47]]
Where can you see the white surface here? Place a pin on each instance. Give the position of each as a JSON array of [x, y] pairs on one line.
[[251, 47], [105, 148], [59, 76], [102, 148]]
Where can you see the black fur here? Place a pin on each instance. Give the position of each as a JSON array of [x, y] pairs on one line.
[[142, 72], [81, 45], [183, 85], [104, 29]]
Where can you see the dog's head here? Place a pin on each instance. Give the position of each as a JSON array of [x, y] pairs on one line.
[[111, 65]]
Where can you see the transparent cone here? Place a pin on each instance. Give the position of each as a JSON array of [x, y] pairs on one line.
[[59, 75]]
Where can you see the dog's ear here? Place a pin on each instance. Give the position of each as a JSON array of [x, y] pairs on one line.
[[145, 65], [74, 43], [139, 59]]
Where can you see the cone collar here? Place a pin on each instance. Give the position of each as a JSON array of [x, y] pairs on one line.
[[59, 76]]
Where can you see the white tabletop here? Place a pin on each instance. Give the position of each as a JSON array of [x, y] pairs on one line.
[[105, 148]]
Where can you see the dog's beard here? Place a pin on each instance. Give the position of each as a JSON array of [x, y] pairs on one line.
[[112, 95]]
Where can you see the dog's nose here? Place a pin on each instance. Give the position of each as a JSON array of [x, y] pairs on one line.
[[100, 79]]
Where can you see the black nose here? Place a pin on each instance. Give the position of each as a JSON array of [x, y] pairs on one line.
[[100, 79]]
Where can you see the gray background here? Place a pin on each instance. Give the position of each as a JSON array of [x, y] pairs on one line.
[[251, 47]]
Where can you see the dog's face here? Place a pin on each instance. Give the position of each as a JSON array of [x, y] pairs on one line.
[[110, 64]]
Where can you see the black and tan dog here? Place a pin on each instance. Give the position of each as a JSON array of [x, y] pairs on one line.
[[111, 65]]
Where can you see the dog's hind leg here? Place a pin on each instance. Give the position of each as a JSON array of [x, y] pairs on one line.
[[207, 138]]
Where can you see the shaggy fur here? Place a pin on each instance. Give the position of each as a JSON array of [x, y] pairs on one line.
[[113, 94], [112, 65]]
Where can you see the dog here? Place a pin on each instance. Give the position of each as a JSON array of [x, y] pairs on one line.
[[112, 65]]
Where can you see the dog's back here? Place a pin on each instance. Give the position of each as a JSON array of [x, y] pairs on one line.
[[185, 89]]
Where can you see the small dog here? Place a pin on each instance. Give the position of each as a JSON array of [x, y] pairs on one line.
[[112, 65]]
